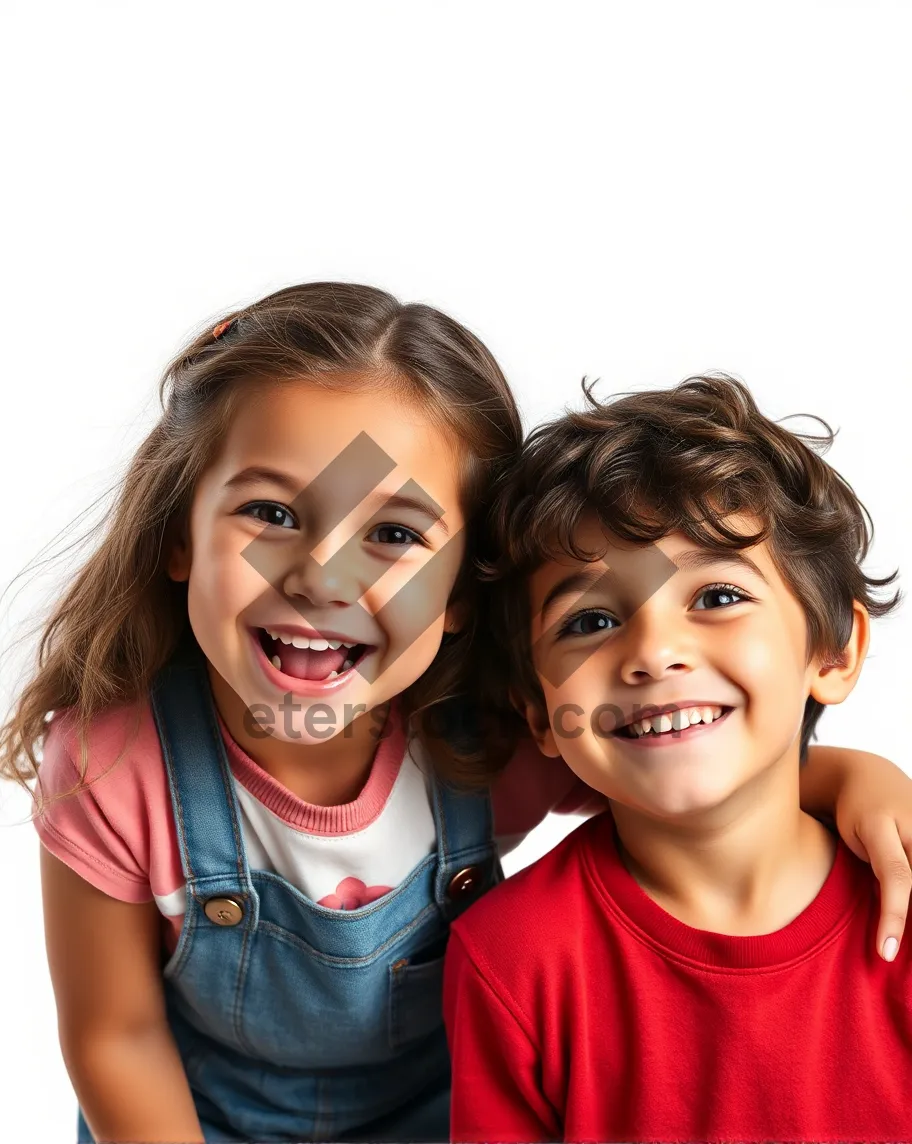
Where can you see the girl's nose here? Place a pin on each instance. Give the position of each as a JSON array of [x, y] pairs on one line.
[[322, 585]]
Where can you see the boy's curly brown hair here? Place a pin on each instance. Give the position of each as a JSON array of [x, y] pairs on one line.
[[682, 460]]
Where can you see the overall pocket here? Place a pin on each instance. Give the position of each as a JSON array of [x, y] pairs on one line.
[[416, 994]]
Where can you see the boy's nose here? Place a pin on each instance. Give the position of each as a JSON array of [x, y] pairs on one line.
[[655, 647]]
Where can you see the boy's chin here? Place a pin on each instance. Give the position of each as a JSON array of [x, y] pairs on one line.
[[675, 800]]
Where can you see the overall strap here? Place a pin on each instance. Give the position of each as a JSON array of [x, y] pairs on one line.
[[467, 861], [199, 777]]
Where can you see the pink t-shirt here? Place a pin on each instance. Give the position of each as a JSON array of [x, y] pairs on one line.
[[119, 833]]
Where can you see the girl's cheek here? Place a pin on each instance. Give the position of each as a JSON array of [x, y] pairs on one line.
[[415, 593]]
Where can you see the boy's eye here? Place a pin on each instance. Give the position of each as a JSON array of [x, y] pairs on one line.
[[719, 596], [587, 623], [269, 512], [393, 534]]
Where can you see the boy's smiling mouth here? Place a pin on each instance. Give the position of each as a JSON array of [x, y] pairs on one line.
[[672, 723]]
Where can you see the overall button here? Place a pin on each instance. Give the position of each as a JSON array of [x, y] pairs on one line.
[[464, 883], [223, 911]]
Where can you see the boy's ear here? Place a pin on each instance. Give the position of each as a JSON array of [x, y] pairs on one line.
[[537, 718], [833, 682], [177, 542]]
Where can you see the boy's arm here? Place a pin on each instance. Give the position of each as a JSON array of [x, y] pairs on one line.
[[496, 1068], [117, 1045], [870, 801]]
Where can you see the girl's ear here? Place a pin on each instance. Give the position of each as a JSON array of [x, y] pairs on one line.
[[454, 618], [833, 682], [540, 726], [177, 541]]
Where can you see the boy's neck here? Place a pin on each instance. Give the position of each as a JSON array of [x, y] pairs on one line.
[[747, 867]]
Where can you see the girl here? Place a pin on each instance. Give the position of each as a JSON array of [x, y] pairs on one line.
[[254, 706]]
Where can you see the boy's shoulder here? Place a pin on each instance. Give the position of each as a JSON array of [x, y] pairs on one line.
[[536, 910]]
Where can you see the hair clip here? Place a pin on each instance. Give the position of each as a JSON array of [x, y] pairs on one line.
[[223, 328]]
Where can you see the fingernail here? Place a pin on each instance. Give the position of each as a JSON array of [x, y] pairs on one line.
[[890, 948]]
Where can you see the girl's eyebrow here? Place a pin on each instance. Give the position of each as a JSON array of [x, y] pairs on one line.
[[259, 473], [417, 504]]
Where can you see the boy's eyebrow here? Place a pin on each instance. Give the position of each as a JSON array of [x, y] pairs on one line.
[[575, 584], [255, 473], [704, 557]]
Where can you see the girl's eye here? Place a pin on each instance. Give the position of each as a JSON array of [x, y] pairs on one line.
[[587, 623], [393, 534], [268, 512], [721, 596]]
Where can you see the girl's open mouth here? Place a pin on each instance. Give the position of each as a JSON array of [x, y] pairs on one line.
[[310, 659]]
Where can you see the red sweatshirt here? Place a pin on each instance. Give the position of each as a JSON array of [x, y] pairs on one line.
[[578, 1009]]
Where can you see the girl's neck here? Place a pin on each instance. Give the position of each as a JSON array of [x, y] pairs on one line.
[[330, 773], [747, 867]]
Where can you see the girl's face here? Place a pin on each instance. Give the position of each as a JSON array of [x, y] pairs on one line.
[[324, 543]]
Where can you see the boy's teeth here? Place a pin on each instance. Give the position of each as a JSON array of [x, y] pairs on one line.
[[676, 720]]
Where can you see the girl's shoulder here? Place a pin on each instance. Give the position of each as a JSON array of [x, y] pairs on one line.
[[122, 752], [108, 817]]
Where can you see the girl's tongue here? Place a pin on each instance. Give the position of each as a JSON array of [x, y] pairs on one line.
[[305, 663]]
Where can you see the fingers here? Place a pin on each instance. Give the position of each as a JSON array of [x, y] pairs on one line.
[[891, 862]]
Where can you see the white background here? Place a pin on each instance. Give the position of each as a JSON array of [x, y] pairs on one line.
[[629, 191]]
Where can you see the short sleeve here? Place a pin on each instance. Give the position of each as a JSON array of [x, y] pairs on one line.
[[102, 830]]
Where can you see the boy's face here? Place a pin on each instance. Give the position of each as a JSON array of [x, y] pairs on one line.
[[710, 650]]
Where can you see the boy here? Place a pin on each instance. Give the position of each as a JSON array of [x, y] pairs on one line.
[[681, 595]]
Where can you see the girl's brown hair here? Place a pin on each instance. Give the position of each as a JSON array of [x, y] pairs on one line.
[[120, 619], [681, 460]]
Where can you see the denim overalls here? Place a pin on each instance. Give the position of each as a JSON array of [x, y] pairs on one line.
[[296, 1022]]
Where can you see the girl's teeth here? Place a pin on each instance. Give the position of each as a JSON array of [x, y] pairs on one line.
[[332, 675], [348, 663], [661, 723], [276, 663], [314, 643]]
